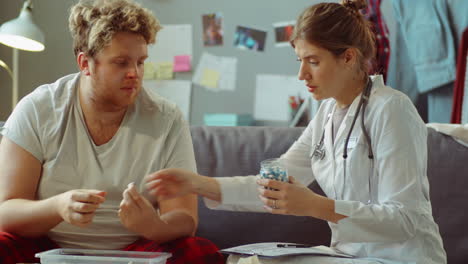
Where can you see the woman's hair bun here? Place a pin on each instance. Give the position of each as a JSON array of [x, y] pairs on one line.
[[354, 5]]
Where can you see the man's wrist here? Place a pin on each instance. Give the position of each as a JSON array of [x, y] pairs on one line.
[[169, 226], [154, 230], [55, 205]]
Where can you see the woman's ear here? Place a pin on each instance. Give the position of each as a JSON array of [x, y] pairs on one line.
[[83, 63], [350, 56]]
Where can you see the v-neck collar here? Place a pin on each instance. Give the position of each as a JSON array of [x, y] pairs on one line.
[[108, 144]]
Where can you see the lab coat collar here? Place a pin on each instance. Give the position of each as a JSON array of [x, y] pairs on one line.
[[377, 82]]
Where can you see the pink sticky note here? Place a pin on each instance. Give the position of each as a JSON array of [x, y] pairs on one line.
[[182, 63]]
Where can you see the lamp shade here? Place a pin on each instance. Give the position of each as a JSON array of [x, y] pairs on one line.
[[21, 32], [4, 65]]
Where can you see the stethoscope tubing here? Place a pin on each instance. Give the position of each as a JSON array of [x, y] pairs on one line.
[[362, 103], [320, 152]]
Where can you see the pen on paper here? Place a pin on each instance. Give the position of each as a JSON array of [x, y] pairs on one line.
[[292, 245]]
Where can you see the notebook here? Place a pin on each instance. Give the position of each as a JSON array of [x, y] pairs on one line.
[[279, 249]]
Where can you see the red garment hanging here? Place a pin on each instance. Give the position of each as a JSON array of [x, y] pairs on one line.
[[382, 56], [459, 87]]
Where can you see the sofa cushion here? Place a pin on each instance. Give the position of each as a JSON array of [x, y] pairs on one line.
[[447, 171], [230, 151]]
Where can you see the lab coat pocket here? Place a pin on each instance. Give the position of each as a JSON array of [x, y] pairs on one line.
[[359, 168], [353, 141]]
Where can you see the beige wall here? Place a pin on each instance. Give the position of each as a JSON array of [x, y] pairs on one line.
[[36, 68]]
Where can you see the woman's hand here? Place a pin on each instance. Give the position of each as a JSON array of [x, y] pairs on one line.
[[136, 213], [78, 207], [289, 198], [170, 183]]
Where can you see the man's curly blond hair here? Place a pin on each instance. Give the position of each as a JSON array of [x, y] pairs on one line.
[[93, 23]]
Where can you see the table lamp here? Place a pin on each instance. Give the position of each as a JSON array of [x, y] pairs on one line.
[[20, 33]]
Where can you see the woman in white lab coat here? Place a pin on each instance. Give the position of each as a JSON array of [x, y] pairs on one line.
[[366, 147]]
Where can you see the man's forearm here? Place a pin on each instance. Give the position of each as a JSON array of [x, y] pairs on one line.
[[28, 218], [172, 225]]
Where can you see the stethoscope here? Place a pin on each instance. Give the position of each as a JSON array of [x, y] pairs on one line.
[[319, 150]]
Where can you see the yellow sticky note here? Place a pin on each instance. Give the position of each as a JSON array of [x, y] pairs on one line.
[[164, 71], [150, 71], [210, 78]]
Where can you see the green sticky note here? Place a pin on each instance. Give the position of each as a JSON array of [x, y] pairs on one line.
[[150, 71], [164, 71]]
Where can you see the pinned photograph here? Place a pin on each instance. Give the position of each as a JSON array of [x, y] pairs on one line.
[[249, 38], [212, 29], [283, 32]]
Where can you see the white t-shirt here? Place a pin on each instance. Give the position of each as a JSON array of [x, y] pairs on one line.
[[49, 124]]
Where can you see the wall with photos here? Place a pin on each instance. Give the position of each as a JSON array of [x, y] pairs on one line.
[[58, 60], [260, 15]]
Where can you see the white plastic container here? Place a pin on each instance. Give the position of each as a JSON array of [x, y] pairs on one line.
[[88, 256]]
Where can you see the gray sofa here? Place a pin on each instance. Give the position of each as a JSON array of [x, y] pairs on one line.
[[228, 151]]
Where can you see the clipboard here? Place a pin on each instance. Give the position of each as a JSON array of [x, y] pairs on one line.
[[280, 249]]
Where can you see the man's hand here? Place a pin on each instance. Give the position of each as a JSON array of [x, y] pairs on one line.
[[78, 207], [137, 213]]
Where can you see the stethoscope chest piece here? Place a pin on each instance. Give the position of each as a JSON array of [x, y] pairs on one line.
[[319, 151]]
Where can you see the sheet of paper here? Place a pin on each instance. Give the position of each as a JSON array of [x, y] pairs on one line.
[[164, 71], [225, 66], [171, 41], [271, 249], [176, 91], [228, 71], [249, 260], [182, 63], [272, 94]]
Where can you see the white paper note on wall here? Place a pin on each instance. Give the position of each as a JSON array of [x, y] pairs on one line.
[[176, 91], [171, 40], [226, 67], [272, 94]]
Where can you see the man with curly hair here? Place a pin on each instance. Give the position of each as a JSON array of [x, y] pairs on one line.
[[74, 153]]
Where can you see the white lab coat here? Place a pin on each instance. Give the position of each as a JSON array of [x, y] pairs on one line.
[[397, 225]]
